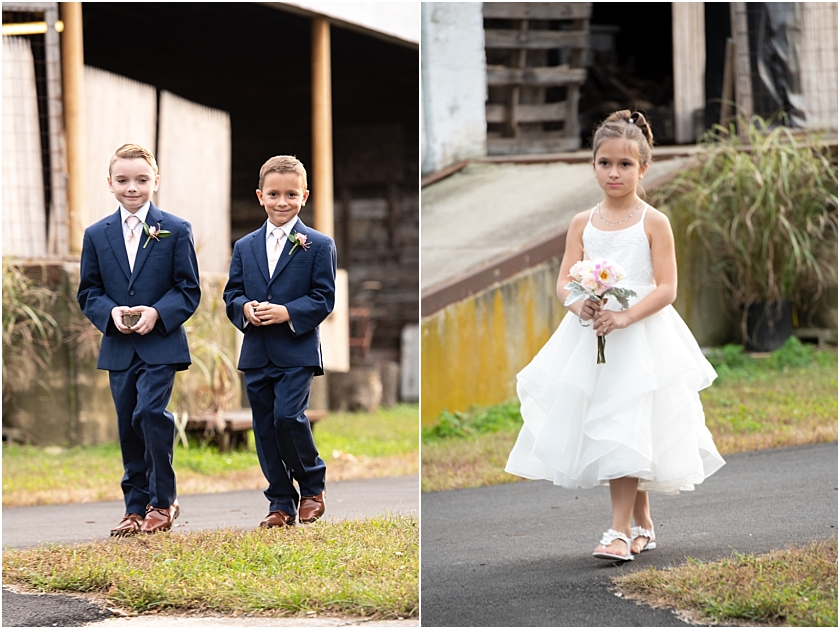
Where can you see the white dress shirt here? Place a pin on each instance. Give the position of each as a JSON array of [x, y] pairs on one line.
[[271, 254], [138, 230], [271, 233]]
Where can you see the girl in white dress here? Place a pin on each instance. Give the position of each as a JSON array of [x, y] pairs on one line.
[[634, 423]]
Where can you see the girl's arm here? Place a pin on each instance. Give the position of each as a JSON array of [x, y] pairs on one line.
[[573, 254], [664, 261]]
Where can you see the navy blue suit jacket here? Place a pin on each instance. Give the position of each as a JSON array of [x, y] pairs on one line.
[[304, 282], [165, 277]]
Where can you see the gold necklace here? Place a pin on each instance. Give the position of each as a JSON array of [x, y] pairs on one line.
[[624, 220]]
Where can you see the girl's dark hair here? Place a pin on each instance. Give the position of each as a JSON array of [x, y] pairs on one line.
[[629, 126]]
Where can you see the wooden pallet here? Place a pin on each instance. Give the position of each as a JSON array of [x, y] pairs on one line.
[[823, 337], [525, 112], [237, 425]]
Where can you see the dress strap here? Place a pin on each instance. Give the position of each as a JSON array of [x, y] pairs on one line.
[[642, 220], [591, 214]]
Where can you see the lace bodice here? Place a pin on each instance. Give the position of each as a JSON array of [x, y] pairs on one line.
[[629, 247]]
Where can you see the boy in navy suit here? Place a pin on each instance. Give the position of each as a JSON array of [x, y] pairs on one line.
[[141, 260], [281, 287]]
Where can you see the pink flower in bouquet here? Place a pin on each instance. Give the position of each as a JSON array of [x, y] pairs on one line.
[[608, 274], [596, 280], [590, 284]]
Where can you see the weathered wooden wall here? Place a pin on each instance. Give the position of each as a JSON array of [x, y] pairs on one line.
[[194, 161], [117, 111], [688, 27], [24, 212]]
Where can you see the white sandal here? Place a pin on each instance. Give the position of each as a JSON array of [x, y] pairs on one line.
[[608, 538], [638, 531]]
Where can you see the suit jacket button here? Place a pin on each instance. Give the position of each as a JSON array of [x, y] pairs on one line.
[[268, 296], [131, 292]]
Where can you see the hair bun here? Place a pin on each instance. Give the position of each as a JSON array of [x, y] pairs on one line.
[[638, 118]]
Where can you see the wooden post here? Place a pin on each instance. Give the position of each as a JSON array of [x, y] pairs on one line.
[[688, 26], [57, 227], [743, 79], [728, 82], [73, 71], [322, 156]]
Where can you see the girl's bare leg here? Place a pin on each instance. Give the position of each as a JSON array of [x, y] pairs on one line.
[[623, 496], [641, 516]]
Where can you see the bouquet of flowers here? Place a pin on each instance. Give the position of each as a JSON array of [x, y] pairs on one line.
[[596, 280]]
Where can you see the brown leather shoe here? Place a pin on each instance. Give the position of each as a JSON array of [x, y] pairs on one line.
[[129, 525], [311, 508], [277, 518], [158, 519]]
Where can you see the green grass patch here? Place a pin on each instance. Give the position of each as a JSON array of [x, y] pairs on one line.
[[353, 445], [476, 421], [388, 432], [364, 568], [796, 587]]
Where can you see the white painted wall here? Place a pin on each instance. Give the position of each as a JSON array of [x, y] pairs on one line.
[[454, 88], [394, 19]]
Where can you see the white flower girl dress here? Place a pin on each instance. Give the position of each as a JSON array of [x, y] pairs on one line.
[[638, 415]]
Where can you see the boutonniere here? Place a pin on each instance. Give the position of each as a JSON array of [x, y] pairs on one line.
[[299, 240], [155, 232]]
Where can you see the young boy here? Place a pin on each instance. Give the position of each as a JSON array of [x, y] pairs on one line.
[[141, 260], [281, 287]]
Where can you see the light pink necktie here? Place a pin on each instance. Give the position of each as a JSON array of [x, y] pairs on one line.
[[131, 240], [274, 254]]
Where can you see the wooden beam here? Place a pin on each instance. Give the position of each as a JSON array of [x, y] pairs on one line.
[[743, 78], [728, 83], [548, 112], [689, 54], [58, 228], [537, 10], [322, 149], [535, 40], [543, 77], [73, 73]]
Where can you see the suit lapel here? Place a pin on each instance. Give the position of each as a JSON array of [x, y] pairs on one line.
[[116, 238], [299, 228], [153, 217], [259, 250]]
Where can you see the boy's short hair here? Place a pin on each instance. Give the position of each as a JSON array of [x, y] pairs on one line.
[[283, 164], [134, 151]]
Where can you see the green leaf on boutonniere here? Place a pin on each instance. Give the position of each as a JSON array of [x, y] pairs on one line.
[[299, 240], [155, 232]]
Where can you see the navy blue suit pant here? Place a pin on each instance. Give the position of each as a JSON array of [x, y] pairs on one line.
[[147, 433], [279, 398]]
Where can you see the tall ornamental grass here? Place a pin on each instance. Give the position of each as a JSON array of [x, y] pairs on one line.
[[764, 206]]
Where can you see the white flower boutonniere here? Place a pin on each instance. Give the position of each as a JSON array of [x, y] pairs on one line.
[[299, 240], [155, 232]]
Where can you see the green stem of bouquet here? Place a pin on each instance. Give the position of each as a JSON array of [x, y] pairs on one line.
[[602, 343]]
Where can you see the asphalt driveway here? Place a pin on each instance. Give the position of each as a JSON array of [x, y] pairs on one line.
[[519, 555]]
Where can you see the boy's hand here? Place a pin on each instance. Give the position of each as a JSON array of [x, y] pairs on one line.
[[248, 311], [148, 318], [116, 316], [271, 313]]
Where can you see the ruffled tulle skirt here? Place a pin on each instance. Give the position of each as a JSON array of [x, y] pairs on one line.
[[638, 415]]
